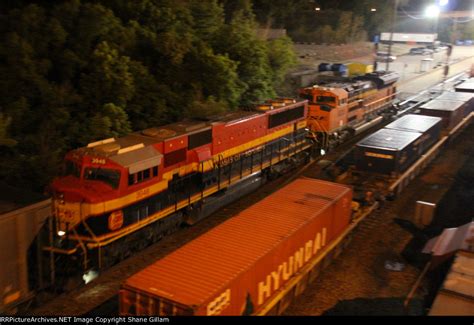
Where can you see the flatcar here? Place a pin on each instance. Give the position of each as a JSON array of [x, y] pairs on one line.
[[121, 194], [338, 107]]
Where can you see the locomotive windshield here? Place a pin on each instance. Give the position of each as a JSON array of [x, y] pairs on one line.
[[309, 97], [325, 99], [109, 176]]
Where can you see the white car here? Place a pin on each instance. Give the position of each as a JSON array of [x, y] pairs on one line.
[[427, 51], [385, 57]]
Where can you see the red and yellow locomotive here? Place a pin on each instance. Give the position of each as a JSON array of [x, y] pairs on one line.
[[135, 189], [337, 108]]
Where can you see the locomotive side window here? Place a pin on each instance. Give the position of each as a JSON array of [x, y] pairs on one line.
[[142, 175], [325, 99], [109, 176]]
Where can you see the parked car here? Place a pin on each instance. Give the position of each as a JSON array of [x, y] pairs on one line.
[[427, 51], [416, 50], [385, 57], [421, 50], [435, 46]]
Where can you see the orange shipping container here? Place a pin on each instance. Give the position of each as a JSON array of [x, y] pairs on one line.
[[237, 267]]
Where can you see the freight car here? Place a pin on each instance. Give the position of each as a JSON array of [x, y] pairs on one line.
[[464, 97], [387, 160], [242, 265], [466, 87], [393, 149], [20, 252], [119, 195], [452, 112], [387, 151], [340, 108], [428, 126]]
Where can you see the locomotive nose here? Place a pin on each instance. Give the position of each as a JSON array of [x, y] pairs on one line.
[[66, 210]]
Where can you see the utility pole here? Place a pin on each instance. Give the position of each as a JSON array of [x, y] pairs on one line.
[[394, 15]]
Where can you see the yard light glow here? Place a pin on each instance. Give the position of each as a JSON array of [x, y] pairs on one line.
[[443, 3], [432, 11]]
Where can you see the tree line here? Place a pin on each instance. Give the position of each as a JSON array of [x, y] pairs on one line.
[[327, 21], [76, 71]]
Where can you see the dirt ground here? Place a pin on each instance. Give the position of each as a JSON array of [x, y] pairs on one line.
[[311, 54]]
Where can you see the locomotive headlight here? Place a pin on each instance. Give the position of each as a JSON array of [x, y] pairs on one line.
[[89, 276], [60, 197], [323, 152], [61, 233]]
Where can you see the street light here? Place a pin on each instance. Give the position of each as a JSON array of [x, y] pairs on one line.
[[392, 26], [432, 11]]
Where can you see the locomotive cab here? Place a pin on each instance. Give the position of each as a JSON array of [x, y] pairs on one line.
[[327, 109], [83, 184], [94, 178], [340, 107]]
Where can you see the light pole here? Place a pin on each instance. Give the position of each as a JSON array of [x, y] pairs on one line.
[[432, 12], [392, 26]]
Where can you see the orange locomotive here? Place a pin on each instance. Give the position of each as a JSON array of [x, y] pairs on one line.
[[120, 195], [341, 107]]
